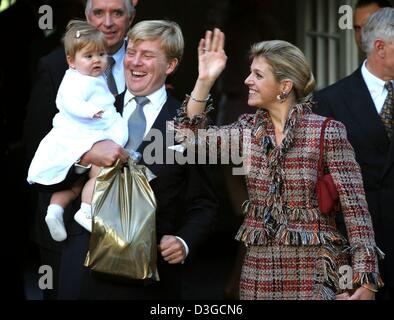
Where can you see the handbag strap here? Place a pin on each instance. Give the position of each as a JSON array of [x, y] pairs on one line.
[[320, 167]]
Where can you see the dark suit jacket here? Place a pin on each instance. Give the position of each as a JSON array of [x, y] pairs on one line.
[[350, 102], [187, 208], [186, 201], [42, 104]]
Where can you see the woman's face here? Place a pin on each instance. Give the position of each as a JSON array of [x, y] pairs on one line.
[[263, 87]]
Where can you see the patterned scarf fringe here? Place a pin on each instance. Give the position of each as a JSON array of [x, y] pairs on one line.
[[374, 278], [369, 249], [253, 236], [327, 294], [275, 220], [281, 214], [277, 157], [182, 120], [186, 129], [330, 281], [275, 166], [274, 216]]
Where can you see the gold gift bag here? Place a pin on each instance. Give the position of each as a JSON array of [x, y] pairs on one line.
[[123, 239]]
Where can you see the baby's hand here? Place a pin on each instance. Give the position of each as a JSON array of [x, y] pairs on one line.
[[98, 115]]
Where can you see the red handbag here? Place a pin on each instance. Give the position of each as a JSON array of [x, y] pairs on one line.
[[327, 194]]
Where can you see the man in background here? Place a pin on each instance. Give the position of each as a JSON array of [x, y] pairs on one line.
[[113, 18], [186, 201], [364, 103], [364, 9]]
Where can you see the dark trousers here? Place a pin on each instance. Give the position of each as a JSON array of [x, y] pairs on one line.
[[72, 268], [99, 287], [385, 294], [78, 282]]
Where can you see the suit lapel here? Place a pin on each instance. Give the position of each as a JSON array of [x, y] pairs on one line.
[[167, 113], [390, 159], [119, 102], [362, 108]]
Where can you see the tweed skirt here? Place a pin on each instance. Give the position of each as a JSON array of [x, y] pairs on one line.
[[277, 272]]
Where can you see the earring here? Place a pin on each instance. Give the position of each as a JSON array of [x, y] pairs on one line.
[[282, 96]]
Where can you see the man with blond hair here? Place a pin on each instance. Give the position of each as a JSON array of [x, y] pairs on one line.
[[186, 201]]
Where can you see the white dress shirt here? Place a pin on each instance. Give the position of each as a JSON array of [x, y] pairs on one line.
[[375, 86], [151, 111]]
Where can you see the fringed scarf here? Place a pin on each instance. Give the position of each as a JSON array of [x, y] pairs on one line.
[[273, 214]]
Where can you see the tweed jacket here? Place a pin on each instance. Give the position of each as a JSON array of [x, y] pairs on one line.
[[282, 208]]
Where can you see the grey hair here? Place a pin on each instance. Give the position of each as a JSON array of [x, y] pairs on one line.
[[380, 25], [127, 3]]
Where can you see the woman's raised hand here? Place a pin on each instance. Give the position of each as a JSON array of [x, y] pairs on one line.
[[211, 56], [211, 62]]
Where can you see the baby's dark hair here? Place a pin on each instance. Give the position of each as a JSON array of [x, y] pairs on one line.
[[80, 34]]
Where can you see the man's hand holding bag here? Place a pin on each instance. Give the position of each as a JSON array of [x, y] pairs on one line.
[[123, 240]]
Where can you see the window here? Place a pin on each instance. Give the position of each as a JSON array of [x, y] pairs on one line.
[[332, 52]]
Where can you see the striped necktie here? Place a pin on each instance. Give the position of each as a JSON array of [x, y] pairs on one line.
[[387, 111]]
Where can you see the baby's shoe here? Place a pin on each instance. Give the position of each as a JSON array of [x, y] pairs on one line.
[[84, 216], [54, 221]]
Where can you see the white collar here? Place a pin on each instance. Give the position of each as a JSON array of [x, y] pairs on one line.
[[119, 55], [156, 98], [374, 83]]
